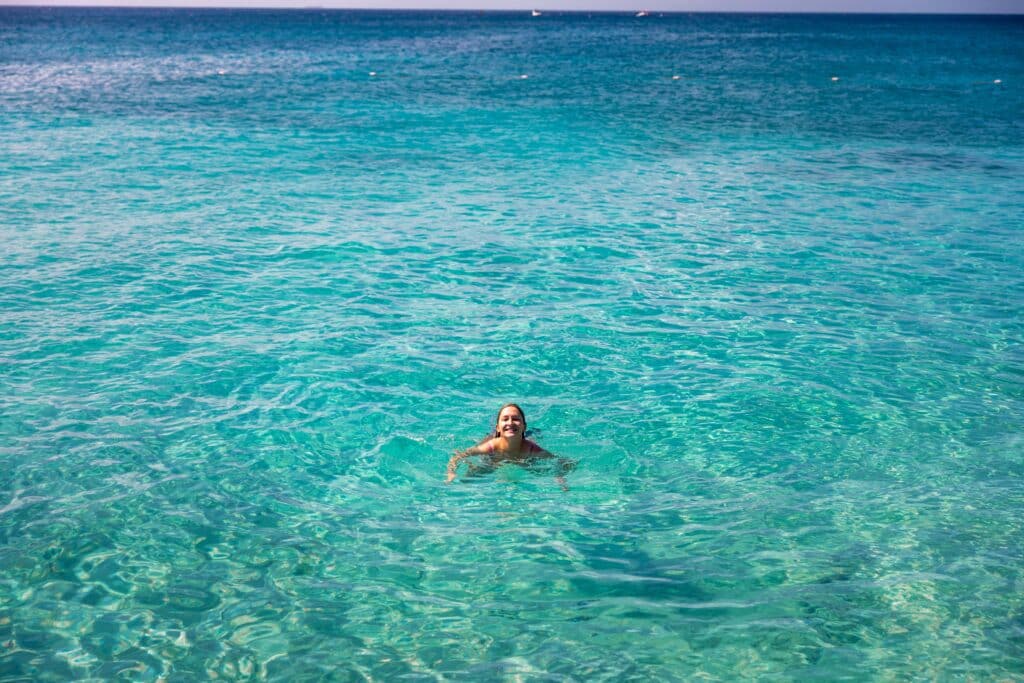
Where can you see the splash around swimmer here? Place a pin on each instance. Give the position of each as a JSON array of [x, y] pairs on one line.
[[507, 443]]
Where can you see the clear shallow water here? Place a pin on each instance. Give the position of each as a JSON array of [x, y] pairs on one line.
[[253, 297]]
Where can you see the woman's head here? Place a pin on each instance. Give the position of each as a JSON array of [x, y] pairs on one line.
[[511, 421]]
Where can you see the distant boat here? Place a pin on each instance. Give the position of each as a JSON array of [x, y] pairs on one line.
[[643, 13], [535, 13]]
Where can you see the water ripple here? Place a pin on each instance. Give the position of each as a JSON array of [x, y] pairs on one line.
[[253, 297]]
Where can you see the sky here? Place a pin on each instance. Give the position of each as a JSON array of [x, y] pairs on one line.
[[908, 6]]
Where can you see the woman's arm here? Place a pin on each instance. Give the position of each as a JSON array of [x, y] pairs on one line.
[[562, 465], [459, 456], [453, 465]]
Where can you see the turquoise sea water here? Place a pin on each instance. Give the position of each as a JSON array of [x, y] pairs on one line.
[[253, 295]]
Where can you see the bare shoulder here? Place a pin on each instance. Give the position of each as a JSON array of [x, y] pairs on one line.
[[535, 450], [487, 446]]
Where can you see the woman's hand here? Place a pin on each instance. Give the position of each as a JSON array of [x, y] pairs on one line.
[[453, 465]]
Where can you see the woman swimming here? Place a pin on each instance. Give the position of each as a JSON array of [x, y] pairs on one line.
[[508, 443]]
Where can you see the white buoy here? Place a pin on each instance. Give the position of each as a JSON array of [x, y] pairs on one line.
[[998, 81], [524, 77], [675, 78], [835, 78], [373, 73]]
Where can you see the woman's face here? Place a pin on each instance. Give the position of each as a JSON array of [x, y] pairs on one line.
[[510, 422]]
